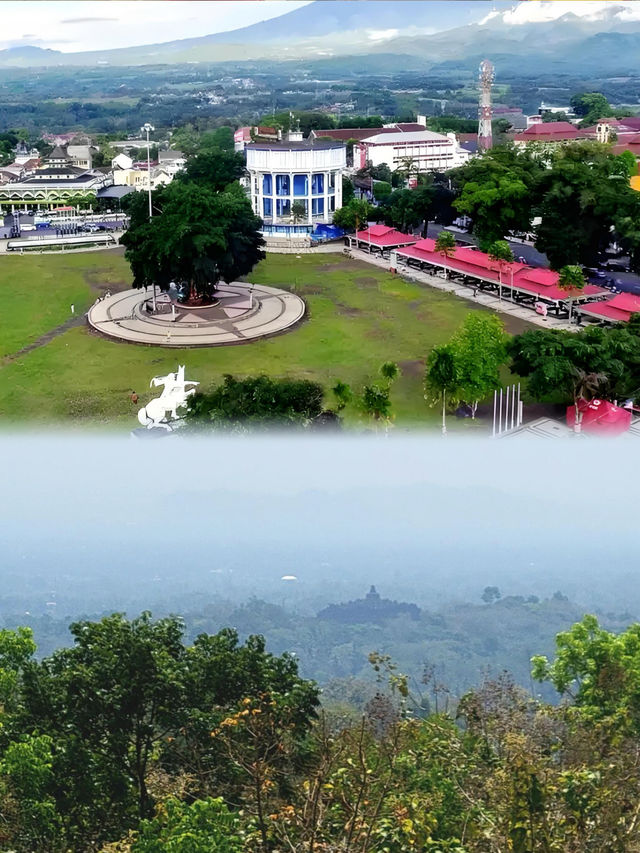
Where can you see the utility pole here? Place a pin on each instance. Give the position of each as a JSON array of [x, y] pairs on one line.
[[149, 128]]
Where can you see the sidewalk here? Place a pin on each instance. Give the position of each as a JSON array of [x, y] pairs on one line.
[[489, 300]]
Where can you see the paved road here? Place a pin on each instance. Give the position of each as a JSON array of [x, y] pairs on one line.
[[629, 282], [6, 224]]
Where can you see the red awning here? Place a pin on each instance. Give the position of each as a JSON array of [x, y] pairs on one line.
[[600, 417]]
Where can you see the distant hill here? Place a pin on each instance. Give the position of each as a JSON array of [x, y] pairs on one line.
[[430, 32]]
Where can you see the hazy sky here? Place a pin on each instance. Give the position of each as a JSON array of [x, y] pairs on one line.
[[76, 25]]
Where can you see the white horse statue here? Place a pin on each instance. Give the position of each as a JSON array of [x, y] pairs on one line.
[[174, 396]]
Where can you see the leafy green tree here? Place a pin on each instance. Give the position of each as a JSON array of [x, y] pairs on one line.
[[389, 371], [17, 648], [501, 253], [213, 169], [571, 281], [343, 394], [554, 361], [498, 190], [197, 238], [446, 246], [599, 671], [257, 401], [591, 106], [348, 193], [298, 211], [26, 772], [381, 190], [405, 209], [204, 826], [491, 594], [354, 216], [376, 402], [480, 351], [441, 378], [583, 194]]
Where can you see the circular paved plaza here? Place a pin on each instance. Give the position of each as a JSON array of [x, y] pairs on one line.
[[243, 313]]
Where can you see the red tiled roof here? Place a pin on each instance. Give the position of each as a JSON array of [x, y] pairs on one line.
[[407, 127], [538, 281], [384, 236], [621, 307], [346, 133], [549, 132]]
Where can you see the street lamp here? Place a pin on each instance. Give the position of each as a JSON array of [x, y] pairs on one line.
[[149, 128]]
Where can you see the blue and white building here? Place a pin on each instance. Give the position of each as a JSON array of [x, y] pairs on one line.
[[298, 170]]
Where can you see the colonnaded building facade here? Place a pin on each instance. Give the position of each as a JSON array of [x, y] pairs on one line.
[[296, 170]]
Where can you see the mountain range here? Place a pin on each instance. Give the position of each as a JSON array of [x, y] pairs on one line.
[[426, 34]]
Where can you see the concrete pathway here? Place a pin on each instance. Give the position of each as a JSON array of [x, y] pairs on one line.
[[464, 291], [244, 313]]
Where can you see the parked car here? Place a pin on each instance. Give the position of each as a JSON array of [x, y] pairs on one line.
[[593, 272], [616, 266]]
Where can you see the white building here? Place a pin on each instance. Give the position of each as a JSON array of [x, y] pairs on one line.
[[171, 161], [428, 151], [296, 171], [139, 178]]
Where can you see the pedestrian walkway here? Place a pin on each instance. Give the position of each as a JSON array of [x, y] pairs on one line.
[[242, 313], [464, 291]]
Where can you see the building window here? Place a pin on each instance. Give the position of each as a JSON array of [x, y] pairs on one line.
[[300, 185], [317, 184], [267, 185], [332, 204], [283, 207], [332, 182], [283, 185], [317, 206], [267, 207]]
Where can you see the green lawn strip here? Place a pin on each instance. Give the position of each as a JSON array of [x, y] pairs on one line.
[[359, 317], [36, 292]]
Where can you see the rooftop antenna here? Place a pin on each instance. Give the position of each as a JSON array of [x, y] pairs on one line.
[[485, 112]]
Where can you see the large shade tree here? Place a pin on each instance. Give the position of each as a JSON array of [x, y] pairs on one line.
[[196, 238], [582, 196], [553, 361], [498, 191]]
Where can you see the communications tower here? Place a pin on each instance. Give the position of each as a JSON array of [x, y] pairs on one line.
[[486, 78]]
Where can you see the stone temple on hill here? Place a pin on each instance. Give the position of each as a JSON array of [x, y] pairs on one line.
[[371, 608]]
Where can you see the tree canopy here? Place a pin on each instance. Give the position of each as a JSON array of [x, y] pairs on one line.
[[195, 238]]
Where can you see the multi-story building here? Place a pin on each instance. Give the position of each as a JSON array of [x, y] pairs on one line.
[[426, 150], [299, 172], [52, 186]]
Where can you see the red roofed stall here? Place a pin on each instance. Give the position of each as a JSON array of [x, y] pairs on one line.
[[616, 310], [600, 417], [380, 237], [527, 283]]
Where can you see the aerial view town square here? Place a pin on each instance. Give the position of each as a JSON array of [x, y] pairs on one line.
[[319, 416], [414, 246]]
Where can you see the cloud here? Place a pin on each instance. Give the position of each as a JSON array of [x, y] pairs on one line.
[[86, 20]]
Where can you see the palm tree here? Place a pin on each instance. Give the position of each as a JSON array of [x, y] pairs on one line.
[[343, 394], [572, 281], [376, 402], [446, 246], [298, 211], [390, 371], [585, 387], [500, 251], [441, 378]]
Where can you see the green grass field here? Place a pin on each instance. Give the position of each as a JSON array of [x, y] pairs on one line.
[[358, 317]]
